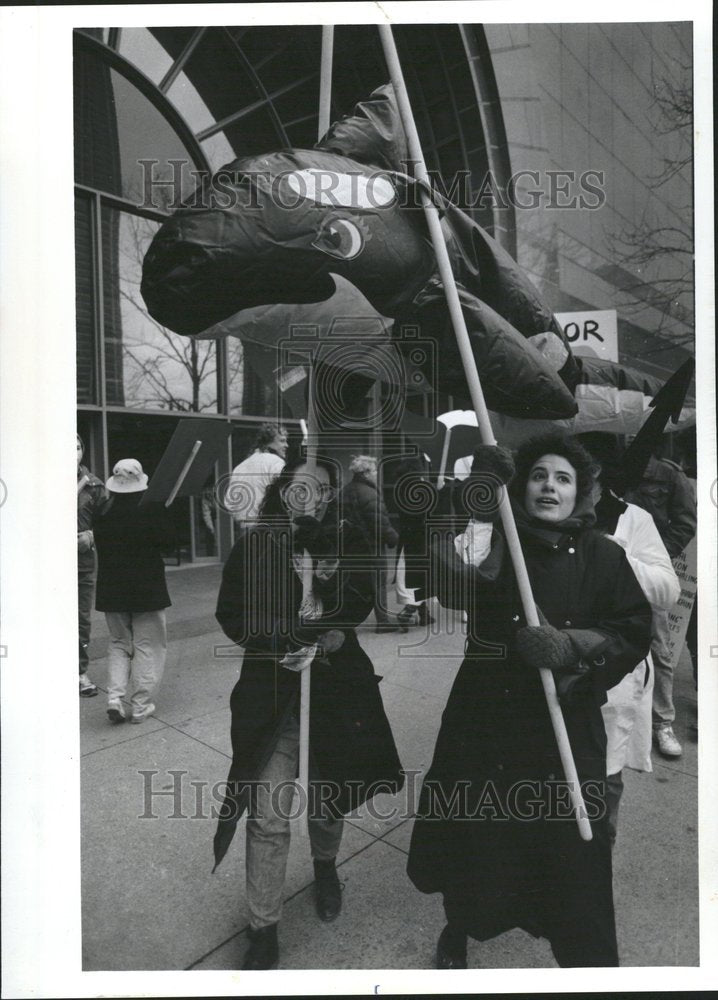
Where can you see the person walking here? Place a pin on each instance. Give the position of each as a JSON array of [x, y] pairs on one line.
[[352, 754], [627, 711], [90, 494], [249, 480], [667, 496], [132, 591], [362, 504], [495, 832], [411, 546]]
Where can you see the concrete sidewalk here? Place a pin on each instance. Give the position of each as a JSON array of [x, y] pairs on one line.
[[149, 900]]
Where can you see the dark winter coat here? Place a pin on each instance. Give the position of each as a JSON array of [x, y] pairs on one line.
[[365, 508], [667, 496], [413, 533], [499, 871], [89, 500], [352, 751], [130, 569]]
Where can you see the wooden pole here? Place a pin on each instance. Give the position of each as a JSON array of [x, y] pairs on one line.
[[183, 474], [444, 459], [482, 415], [325, 80], [325, 99]]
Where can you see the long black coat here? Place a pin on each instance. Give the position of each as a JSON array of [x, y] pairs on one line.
[[496, 870], [130, 569], [352, 751]]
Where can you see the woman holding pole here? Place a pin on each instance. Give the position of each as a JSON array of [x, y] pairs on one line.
[[495, 831], [352, 754]]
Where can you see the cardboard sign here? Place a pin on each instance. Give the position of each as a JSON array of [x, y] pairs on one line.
[[188, 459], [592, 333], [679, 615]]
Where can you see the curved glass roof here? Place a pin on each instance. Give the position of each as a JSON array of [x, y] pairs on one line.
[[243, 91]]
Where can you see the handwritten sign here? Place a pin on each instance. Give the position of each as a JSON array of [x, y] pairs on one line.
[[592, 333], [686, 568]]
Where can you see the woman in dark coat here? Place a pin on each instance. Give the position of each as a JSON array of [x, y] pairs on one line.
[[363, 506], [495, 832], [352, 752], [132, 591]]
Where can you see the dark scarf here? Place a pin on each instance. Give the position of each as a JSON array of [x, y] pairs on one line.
[[608, 510], [582, 516]]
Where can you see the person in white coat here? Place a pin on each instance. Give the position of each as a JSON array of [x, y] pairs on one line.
[[250, 479], [627, 712]]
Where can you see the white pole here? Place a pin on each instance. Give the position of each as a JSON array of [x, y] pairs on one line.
[[325, 80], [444, 459], [325, 98], [477, 398], [183, 474]]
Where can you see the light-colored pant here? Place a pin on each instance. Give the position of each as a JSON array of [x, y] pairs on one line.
[[404, 595], [268, 831], [664, 711], [136, 655]]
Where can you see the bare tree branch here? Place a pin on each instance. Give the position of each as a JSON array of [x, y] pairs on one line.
[[660, 257]]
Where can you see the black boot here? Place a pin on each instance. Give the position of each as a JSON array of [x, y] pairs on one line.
[[263, 950], [424, 617], [408, 615], [451, 949], [327, 890]]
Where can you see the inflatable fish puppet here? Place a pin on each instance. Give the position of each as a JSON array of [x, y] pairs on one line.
[[277, 229]]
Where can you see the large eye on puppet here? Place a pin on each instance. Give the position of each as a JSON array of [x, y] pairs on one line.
[[339, 238]]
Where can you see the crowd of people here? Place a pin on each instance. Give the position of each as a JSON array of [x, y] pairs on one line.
[[493, 833]]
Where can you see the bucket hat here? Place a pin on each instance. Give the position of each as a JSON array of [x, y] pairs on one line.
[[127, 477]]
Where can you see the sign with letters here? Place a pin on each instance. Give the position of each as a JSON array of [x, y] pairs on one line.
[[592, 333], [679, 615]]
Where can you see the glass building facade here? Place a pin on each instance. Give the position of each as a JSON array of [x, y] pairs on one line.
[[499, 109]]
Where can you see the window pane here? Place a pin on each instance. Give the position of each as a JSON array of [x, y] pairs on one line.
[[248, 393], [116, 129], [85, 303], [138, 46], [218, 151], [205, 521], [146, 365], [190, 105]]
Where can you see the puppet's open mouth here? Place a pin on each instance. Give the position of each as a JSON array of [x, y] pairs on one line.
[[188, 288]]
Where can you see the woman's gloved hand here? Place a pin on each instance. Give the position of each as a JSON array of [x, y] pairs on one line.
[[330, 642], [492, 468], [493, 460], [545, 646]]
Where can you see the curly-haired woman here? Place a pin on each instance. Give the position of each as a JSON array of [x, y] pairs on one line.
[[495, 832]]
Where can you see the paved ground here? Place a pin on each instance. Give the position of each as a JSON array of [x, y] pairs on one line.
[[150, 902]]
